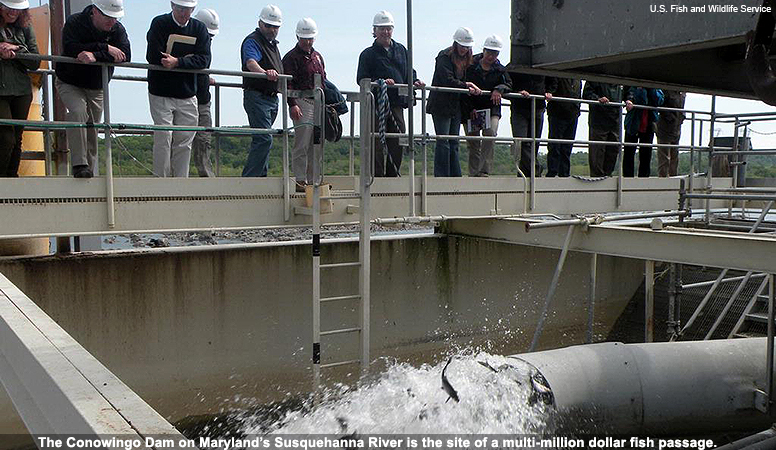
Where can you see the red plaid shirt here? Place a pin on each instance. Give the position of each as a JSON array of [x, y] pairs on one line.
[[303, 66]]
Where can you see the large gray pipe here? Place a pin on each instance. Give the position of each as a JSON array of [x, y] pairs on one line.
[[678, 388]]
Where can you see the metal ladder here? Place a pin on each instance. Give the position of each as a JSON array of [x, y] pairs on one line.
[[721, 278], [363, 263], [756, 311]]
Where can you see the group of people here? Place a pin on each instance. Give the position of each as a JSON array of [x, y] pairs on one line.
[[179, 40], [456, 67]]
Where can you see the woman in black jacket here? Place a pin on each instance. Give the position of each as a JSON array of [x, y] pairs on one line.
[[16, 36], [445, 107], [490, 75]]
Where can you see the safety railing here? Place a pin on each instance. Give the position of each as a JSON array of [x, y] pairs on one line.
[[696, 147]]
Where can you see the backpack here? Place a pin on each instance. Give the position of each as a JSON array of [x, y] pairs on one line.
[[333, 125]]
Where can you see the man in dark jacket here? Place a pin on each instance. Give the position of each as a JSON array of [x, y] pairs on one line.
[[386, 59], [92, 35], [175, 41], [604, 125], [259, 53], [200, 148], [520, 109], [669, 130], [562, 117], [487, 73], [640, 128]]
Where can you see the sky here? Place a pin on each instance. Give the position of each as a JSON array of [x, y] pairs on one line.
[[344, 31]]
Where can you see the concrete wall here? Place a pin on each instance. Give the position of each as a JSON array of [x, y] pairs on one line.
[[194, 330]]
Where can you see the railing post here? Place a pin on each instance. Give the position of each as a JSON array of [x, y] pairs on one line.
[[46, 110], [365, 182], [218, 135], [621, 152], [533, 154], [692, 155], [711, 155], [410, 110], [769, 357], [591, 306], [286, 175], [108, 149], [424, 132], [351, 158]]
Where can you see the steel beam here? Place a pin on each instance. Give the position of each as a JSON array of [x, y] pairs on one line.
[[685, 246], [57, 386]]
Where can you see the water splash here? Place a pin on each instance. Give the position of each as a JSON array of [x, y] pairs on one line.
[[498, 395]]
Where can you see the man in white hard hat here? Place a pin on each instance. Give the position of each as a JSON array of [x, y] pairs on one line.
[[175, 41], [259, 53], [386, 59], [93, 35], [303, 62], [201, 146]]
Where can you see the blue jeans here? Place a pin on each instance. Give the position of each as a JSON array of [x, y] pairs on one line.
[[262, 109], [446, 162]]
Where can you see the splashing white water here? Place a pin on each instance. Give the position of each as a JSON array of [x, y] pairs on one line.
[[497, 396]]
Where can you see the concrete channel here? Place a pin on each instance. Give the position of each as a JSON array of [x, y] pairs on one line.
[[201, 329]]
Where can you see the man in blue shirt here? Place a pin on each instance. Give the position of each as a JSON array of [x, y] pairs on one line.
[[260, 54]]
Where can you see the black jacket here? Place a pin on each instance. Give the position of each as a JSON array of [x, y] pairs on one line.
[[534, 84], [203, 86], [445, 76], [190, 56], [376, 62], [603, 117], [670, 122], [78, 35], [566, 88], [496, 78]]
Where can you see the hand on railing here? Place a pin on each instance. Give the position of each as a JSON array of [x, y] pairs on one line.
[[495, 97], [86, 57], [8, 50], [116, 54], [473, 89]]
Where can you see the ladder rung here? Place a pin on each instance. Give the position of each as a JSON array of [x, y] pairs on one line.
[[762, 297], [340, 197], [340, 331], [346, 264], [762, 318], [343, 297], [341, 363]]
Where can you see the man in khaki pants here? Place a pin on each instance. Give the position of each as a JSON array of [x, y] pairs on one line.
[[175, 41], [92, 35]]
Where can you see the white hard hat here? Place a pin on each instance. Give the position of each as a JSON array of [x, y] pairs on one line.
[[306, 28], [383, 19], [111, 8], [464, 36], [271, 15], [185, 3], [16, 4], [210, 18], [493, 42]]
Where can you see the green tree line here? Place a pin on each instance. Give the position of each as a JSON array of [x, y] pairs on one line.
[[133, 156]]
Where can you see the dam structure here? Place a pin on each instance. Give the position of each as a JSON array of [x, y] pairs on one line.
[[99, 342]]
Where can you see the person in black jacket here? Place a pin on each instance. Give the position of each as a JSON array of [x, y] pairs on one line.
[[93, 35], [175, 41], [200, 148], [489, 74], [445, 107], [527, 85], [604, 125], [386, 60], [562, 117]]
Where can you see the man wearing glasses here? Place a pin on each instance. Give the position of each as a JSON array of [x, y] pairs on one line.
[[175, 41], [94, 35], [260, 54]]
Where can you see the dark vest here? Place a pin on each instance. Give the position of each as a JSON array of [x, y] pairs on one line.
[[270, 59]]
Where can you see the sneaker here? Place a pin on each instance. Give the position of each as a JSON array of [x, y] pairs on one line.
[[82, 172], [300, 187]]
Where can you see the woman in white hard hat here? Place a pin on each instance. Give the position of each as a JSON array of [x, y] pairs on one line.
[[16, 36], [445, 107], [490, 75]]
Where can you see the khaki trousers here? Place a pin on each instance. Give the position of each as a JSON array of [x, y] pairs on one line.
[[172, 149], [83, 106]]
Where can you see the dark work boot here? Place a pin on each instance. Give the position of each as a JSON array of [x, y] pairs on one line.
[[82, 172]]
